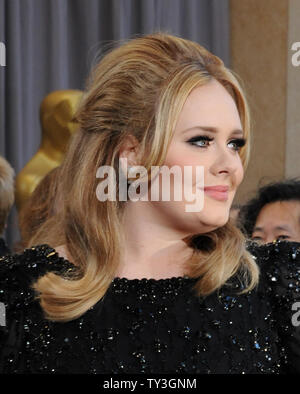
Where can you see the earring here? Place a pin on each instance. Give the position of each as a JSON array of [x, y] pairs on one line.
[[131, 171]]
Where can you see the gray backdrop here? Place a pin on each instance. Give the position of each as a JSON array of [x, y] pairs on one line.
[[52, 44]]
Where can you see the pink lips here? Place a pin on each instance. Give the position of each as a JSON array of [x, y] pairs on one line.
[[219, 193]]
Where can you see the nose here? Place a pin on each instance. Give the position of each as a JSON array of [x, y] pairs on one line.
[[269, 238], [226, 162]]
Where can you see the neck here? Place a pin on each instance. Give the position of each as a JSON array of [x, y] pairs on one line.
[[151, 250]]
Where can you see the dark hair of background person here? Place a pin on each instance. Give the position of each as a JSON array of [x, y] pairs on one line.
[[40, 206], [286, 190]]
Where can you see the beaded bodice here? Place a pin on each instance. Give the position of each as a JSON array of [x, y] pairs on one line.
[[154, 326]]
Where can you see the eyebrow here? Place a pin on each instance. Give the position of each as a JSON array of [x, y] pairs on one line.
[[285, 228], [213, 130]]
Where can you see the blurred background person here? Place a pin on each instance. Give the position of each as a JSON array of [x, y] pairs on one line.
[[7, 191], [274, 213]]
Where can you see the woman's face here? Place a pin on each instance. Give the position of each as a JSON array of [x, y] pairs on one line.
[[208, 134]]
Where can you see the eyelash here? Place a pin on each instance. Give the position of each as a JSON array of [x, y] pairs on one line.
[[283, 236], [240, 142]]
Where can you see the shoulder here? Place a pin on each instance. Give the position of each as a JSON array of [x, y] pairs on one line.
[[19, 306], [19, 271], [279, 265], [279, 262], [281, 255]]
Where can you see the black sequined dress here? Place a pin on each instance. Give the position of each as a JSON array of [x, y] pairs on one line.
[[153, 326], [4, 250]]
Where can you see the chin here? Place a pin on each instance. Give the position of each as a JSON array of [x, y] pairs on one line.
[[213, 222]]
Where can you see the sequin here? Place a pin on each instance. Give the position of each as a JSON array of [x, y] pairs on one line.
[[154, 326]]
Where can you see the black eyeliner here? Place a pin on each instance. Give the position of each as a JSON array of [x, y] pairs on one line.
[[200, 138], [240, 142]]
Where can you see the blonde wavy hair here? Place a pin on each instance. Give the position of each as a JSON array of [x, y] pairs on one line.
[[139, 89]]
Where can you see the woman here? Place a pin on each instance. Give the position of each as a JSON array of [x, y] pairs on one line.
[[147, 286]]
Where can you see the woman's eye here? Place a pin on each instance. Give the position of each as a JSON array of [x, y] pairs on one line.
[[200, 141], [282, 237], [203, 141], [237, 144], [256, 239]]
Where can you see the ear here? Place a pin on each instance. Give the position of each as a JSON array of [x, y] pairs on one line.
[[130, 150]]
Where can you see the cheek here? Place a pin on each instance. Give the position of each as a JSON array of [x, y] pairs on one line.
[[178, 155], [239, 173], [190, 174], [183, 156]]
